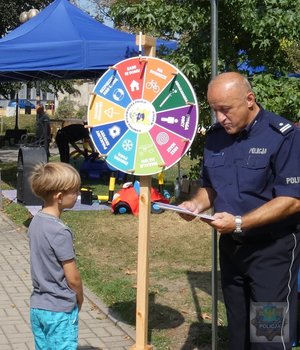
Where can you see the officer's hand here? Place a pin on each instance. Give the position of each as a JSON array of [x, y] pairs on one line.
[[223, 223], [191, 206]]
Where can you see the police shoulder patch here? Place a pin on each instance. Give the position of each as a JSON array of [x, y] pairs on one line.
[[282, 126]]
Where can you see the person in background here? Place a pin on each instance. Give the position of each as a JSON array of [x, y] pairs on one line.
[[251, 172], [71, 134], [57, 294], [42, 130]]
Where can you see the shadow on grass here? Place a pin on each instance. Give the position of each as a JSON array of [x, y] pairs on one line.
[[9, 174], [202, 281], [200, 333], [163, 317], [160, 316], [199, 337]]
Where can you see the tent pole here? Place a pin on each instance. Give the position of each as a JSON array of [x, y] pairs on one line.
[[17, 112]]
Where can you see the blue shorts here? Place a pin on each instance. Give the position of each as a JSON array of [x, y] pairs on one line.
[[54, 330]]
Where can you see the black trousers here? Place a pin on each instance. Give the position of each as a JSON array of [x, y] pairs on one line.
[[261, 273], [62, 143]]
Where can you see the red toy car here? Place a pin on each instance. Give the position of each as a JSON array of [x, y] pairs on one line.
[[126, 201]]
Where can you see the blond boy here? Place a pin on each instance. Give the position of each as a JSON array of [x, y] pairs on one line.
[[57, 294]]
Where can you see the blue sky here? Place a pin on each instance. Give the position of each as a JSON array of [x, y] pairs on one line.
[[88, 6]]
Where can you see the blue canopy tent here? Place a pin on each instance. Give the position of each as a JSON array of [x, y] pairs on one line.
[[23, 103], [63, 42]]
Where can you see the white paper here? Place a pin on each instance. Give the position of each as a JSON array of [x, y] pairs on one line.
[[183, 211]]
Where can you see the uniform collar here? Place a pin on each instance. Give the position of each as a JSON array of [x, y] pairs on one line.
[[246, 131]]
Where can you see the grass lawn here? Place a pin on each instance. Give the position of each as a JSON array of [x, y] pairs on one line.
[[180, 266]]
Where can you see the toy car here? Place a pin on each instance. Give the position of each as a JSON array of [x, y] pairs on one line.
[[126, 201]]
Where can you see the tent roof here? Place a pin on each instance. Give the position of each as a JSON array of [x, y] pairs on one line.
[[63, 42]]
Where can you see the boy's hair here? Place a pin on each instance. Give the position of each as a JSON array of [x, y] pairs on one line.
[[50, 178]]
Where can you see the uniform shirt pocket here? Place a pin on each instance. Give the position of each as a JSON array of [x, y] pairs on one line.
[[254, 174], [214, 166], [215, 160]]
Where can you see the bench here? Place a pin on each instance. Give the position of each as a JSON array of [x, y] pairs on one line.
[[13, 136]]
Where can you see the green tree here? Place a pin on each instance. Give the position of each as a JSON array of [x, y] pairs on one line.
[[11, 10], [292, 50], [281, 95], [9, 90], [96, 8], [251, 31]]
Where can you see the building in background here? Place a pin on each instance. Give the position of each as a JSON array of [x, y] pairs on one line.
[[28, 97], [31, 96], [82, 97]]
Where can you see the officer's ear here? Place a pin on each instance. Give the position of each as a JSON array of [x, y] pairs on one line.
[[251, 99]]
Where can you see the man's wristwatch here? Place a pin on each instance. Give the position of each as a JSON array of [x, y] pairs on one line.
[[238, 224]]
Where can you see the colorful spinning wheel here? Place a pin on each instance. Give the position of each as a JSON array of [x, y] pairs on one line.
[[143, 115]]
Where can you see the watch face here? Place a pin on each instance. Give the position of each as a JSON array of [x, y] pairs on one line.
[[238, 224]]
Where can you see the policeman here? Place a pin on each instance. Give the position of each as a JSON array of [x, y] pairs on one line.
[[251, 176]]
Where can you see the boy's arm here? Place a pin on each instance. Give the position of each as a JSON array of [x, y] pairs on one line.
[[73, 278]]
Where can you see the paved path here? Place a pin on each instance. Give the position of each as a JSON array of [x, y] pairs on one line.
[[10, 154], [97, 329]]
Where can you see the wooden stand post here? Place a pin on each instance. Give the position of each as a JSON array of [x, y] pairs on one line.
[[149, 44], [143, 240], [143, 266]]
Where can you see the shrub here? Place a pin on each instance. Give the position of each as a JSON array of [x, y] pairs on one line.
[[65, 109], [81, 113]]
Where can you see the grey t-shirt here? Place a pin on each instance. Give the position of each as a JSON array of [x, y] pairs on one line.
[[51, 242]]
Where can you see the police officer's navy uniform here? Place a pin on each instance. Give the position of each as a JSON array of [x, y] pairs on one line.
[[259, 265]]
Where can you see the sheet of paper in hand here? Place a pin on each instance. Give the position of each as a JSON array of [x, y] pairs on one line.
[[183, 211]]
